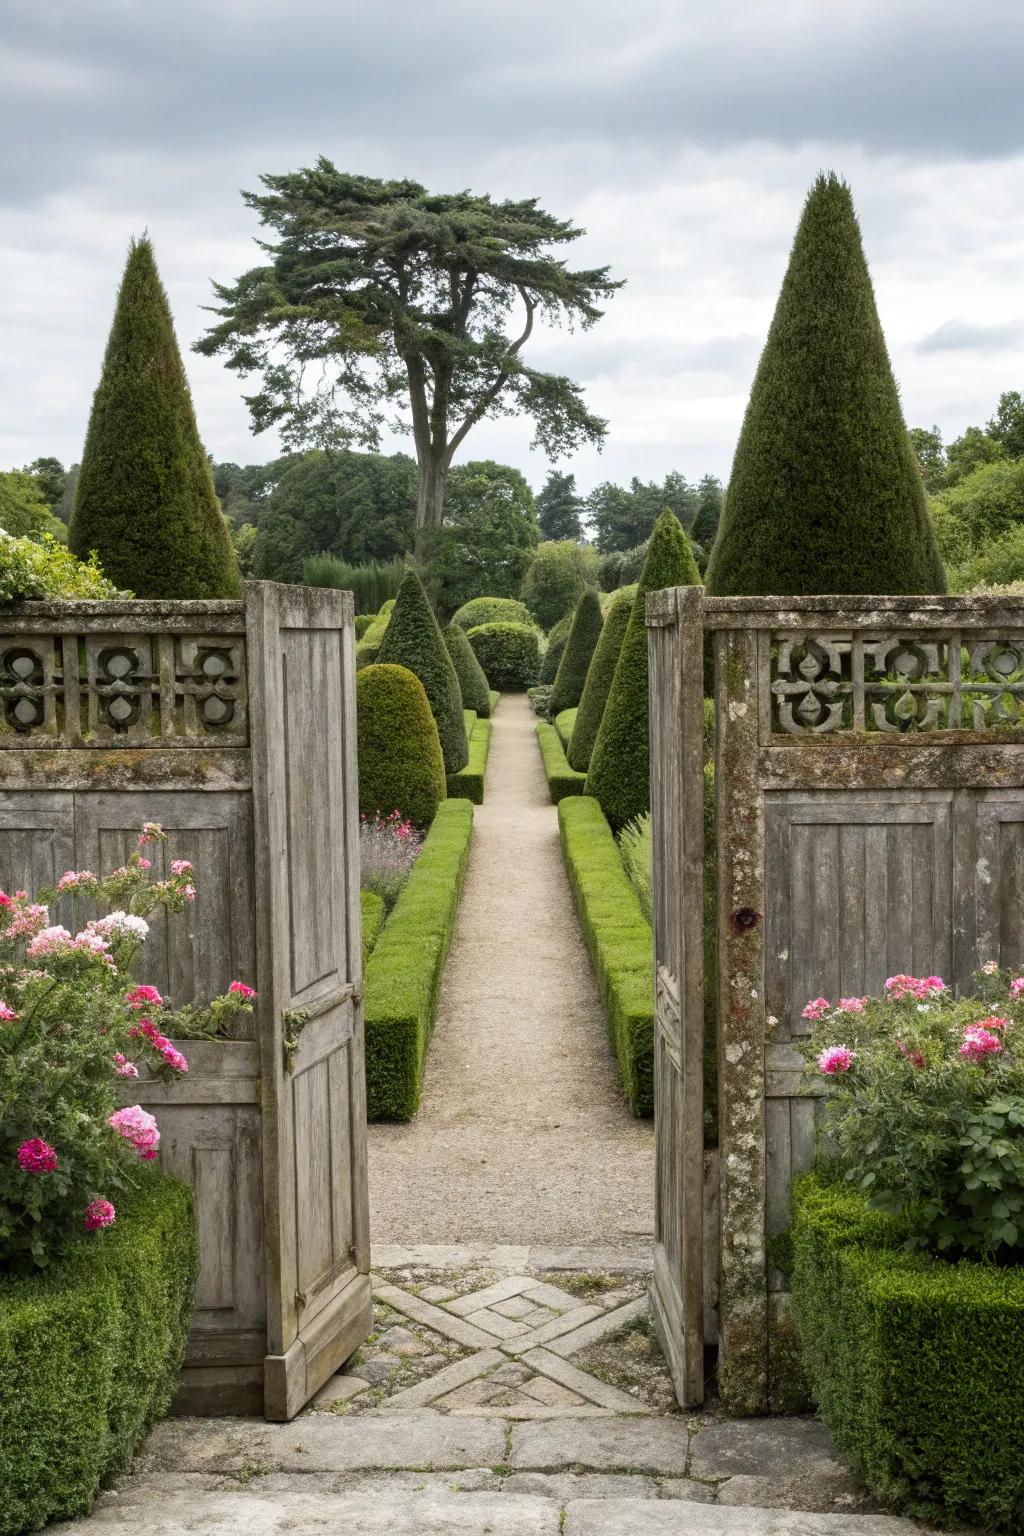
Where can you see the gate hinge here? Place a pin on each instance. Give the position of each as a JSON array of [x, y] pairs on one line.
[[357, 994], [300, 1298]]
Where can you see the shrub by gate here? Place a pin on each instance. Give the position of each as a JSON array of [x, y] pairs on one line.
[[233, 725], [869, 820]]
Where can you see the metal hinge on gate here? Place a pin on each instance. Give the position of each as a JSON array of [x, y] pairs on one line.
[[293, 1022], [300, 1298]]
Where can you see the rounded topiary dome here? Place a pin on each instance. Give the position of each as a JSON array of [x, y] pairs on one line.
[[400, 763]]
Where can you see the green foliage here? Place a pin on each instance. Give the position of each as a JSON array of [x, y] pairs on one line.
[[622, 567], [930, 455], [562, 780], [571, 676], [488, 537], [362, 622], [372, 913], [509, 654], [554, 648], [563, 723], [559, 508], [472, 678], [145, 500], [973, 518], [999, 564], [401, 765], [413, 640], [709, 512], [90, 1351], [636, 848], [618, 775], [825, 494], [44, 568], [403, 976], [24, 509], [371, 640], [620, 942], [557, 576], [491, 610], [915, 1363], [624, 518], [1007, 425], [468, 783], [51, 479], [600, 675], [370, 585], [925, 1113]]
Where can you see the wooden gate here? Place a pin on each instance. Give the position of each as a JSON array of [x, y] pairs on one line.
[[869, 813], [233, 725]]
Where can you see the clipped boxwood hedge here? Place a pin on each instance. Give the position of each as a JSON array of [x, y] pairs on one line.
[[495, 697], [587, 622], [619, 939], [403, 976], [600, 674], [372, 914], [509, 654], [90, 1351], [491, 610], [563, 723], [562, 780], [468, 783], [476, 693], [915, 1363], [398, 750], [555, 646], [412, 639]]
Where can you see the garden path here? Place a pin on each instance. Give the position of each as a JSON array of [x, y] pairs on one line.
[[522, 1137]]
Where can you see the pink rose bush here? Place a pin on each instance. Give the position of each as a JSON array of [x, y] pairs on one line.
[[924, 1109], [76, 1029]]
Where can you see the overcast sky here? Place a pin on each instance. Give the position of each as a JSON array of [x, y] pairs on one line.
[[682, 136]]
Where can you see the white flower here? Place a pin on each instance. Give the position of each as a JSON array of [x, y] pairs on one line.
[[125, 923]]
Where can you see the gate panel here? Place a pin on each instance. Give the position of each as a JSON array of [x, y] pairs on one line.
[[301, 656], [675, 642]]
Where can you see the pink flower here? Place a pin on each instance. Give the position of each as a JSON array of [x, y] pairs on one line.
[[26, 921], [851, 1004], [143, 863], [144, 997], [979, 1043], [994, 1021], [47, 940], [181, 866], [137, 1127], [241, 990], [916, 1058], [37, 1156], [5, 900], [99, 1213], [173, 1057], [189, 892], [123, 1067], [72, 878], [7, 1014], [152, 832], [920, 987], [816, 1008], [838, 1058], [990, 968], [1017, 986]]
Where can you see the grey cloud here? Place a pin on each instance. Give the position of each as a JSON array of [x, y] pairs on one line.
[[963, 336]]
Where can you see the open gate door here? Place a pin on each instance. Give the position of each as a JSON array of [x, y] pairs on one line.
[[676, 672], [301, 647]]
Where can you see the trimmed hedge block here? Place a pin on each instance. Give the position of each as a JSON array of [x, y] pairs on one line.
[[916, 1364], [508, 653], [562, 780], [468, 783], [495, 697], [403, 977], [564, 722], [619, 939], [372, 914], [90, 1351]]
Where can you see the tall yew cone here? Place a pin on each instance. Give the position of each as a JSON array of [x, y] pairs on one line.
[[826, 494], [413, 639], [145, 500], [619, 772]]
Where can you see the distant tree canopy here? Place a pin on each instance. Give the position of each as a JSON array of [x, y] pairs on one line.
[[396, 298], [623, 517], [24, 507], [946, 465], [488, 537], [560, 508]]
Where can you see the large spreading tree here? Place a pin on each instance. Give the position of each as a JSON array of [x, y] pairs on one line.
[[379, 299], [826, 494], [144, 499]]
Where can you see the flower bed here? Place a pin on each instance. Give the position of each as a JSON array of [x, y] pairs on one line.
[[562, 780], [90, 1350], [619, 940], [403, 976]]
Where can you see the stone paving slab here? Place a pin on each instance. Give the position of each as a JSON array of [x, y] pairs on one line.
[[452, 1377], [610, 1444], [652, 1517], [589, 1387], [433, 1317], [589, 1333], [769, 1448]]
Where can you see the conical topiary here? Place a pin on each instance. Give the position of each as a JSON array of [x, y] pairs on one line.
[[555, 646], [412, 639], [587, 623], [599, 678], [145, 500], [476, 692], [398, 749], [620, 764], [825, 494]]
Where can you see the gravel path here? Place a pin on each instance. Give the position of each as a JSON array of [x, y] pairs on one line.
[[522, 1136]]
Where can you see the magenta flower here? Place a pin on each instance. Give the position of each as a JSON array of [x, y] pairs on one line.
[[241, 990], [1017, 986], [979, 1043], [37, 1156], [99, 1213], [173, 1057], [837, 1058], [816, 1008], [144, 997], [123, 1067], [916, 1058], [7, 1014], [137, 1127]]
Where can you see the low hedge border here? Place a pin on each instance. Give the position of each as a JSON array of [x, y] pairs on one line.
[[563, 723], [468, 783], [403, 976], [495, 697], [90, 1352], [619, 939], [372, 914], [915, 1363], [562, 780]]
